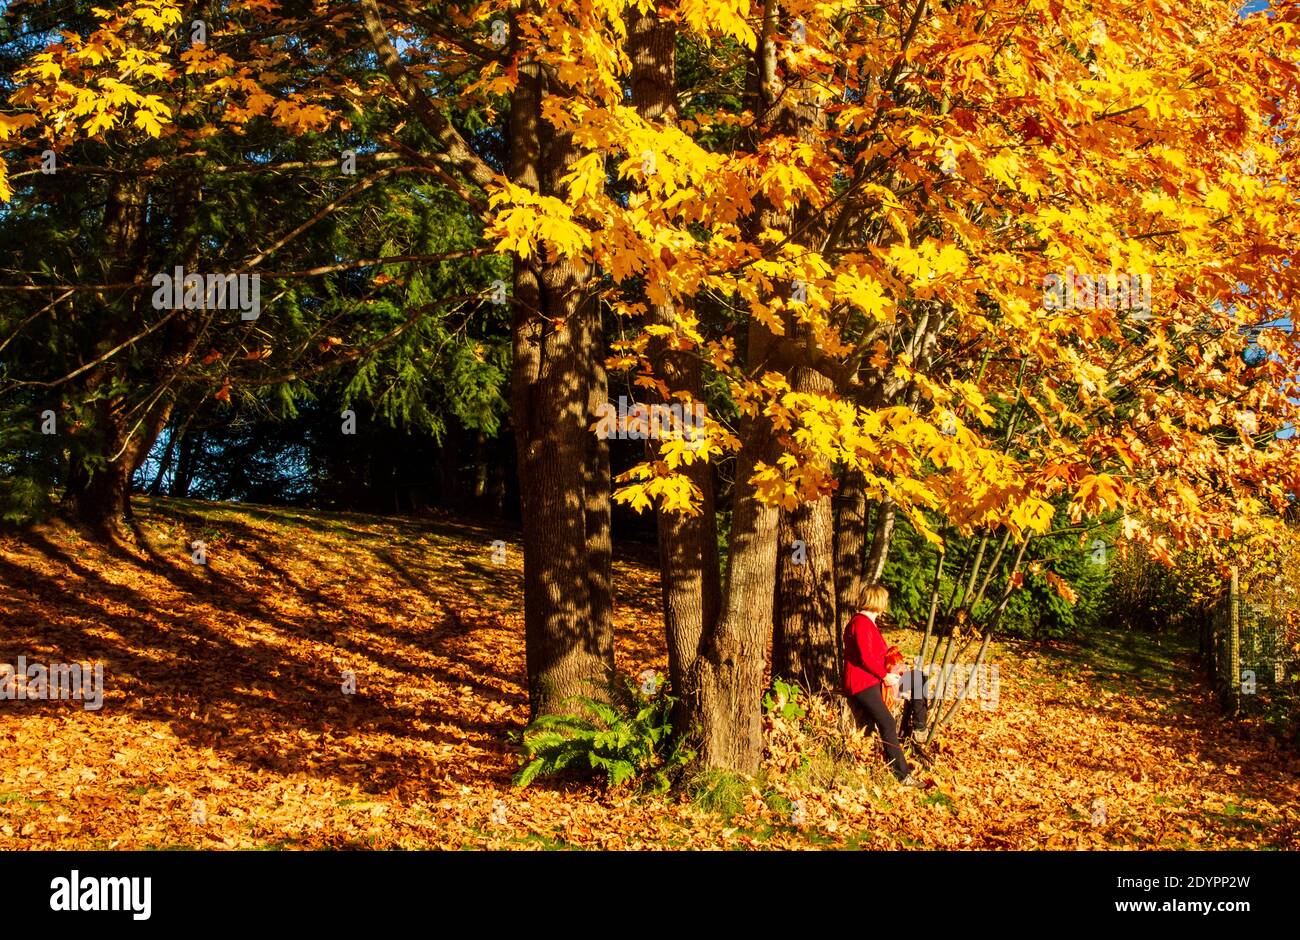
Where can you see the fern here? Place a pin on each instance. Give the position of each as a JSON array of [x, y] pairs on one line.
[[622, 743]]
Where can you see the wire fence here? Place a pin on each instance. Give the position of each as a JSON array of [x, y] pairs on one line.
[[1250, 651]]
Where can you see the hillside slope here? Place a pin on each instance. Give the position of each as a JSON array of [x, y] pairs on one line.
[[225, 721]]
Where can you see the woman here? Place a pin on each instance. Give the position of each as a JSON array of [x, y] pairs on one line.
[[865, 670]]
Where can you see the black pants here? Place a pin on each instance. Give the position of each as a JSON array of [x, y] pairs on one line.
[[915, 710], [872, 712]]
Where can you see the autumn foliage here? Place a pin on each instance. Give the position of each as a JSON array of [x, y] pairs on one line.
[[1001, 270], [224, 725]]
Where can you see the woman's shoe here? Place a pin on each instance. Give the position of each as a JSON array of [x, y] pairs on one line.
[[911, 781]]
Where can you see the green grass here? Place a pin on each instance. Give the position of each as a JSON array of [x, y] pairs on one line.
[[351, 800], [937, 798], [15, 797], [1241, 818], [550, 843], [720, 793], [758, 834], [859, 842], [1121, 660], [818, 838], [778, 804]]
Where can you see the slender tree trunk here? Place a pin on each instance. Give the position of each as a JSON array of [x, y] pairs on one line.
[[934, 608], [164, 464], [881, 540], [138, 448], [480, 470], [805, 638], [944, 716], [688, 545], [730, 671], [727, 681], [180, 486], [850, 542], [922, 347]]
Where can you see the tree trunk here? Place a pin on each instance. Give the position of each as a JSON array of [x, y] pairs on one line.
[[805, 641], [688, 545], [555, 378], [95, 498], [729, 673], [727, 680], [882, 538], [850, 542], [555, 333], [142, 443], [97, 488], [180, 486], [119, 436], [806, 638], [598, 484], [164, 464], [480, 470]]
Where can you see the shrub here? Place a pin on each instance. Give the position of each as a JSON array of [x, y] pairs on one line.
[[625, 742], [783, 700]]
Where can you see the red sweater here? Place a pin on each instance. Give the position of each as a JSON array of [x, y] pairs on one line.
[[863, 646]]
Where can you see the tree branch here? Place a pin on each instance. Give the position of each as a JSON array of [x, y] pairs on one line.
[[456, 152]]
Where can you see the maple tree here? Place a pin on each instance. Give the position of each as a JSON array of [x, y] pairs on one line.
[[1027, 144]]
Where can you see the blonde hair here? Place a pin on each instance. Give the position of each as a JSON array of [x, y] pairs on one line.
[[875, 597]]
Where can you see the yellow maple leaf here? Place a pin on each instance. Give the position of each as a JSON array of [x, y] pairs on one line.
[[100, 120], [148, 121]]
